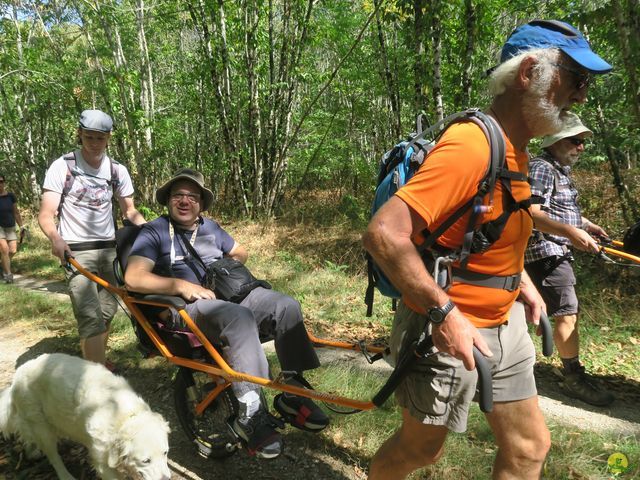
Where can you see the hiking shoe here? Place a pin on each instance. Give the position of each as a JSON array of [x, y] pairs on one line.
[[301, 412], [260, 435], [7, 277], [579, 385]]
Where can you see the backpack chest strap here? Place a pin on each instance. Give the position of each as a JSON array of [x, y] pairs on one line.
[[508, 282]]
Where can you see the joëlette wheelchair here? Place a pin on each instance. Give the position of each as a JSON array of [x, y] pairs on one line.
[[204, 403]]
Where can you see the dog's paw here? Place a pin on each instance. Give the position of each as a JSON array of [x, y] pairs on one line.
[[31, 453]]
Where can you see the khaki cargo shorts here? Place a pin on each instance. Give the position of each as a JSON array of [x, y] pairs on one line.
[[439, 390], [93, 306]]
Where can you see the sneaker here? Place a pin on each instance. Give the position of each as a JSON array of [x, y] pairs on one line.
[[7, 277], [579, 385], [301, 412], [259, 433]]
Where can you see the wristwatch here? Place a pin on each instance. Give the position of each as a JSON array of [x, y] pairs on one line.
[[438, 314]]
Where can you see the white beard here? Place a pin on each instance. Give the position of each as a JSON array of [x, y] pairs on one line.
[[540, 115]]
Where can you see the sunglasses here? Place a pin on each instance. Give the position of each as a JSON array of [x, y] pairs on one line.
[[584, 79], [1, 181], [575, 141]]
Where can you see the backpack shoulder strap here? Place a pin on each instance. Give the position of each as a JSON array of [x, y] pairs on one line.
[[70, 160], [115, 179], [497, 152]]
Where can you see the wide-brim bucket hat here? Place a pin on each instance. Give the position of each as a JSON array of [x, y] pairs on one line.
[[162, 193], [571, 127]]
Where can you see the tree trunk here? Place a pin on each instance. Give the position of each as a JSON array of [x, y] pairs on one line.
[[436, 38], [420, 67], [630, 63], [21, 104], [254, 134], [467, 65], [628, 204], [388, 77]]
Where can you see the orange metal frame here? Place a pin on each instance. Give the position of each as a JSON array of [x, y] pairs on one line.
[[620, 253], [221, 369]]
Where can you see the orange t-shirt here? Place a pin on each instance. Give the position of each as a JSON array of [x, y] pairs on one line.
[[449, 178]]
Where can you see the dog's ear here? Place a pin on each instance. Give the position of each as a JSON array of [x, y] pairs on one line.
[[116, 453]]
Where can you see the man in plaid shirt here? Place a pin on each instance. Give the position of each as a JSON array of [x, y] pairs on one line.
[[548, 257]]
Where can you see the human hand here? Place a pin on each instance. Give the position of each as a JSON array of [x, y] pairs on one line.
[[533, 303], [595, 230], [457, 336], [58, 248], [192, 291], [581, 240]]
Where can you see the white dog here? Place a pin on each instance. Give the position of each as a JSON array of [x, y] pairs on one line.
[[59, 396]]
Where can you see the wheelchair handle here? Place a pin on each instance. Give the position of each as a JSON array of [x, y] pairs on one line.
[[485, 383], [547, 335]]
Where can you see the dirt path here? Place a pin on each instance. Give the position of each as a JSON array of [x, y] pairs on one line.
[[315, 455]]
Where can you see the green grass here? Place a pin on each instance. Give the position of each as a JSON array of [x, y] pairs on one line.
[[324, 272]]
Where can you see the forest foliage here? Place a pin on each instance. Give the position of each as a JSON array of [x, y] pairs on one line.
[[278, 100]]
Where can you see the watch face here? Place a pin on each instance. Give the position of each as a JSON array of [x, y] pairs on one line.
[[436, 315]]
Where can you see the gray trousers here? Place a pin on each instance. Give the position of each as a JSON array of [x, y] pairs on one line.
[[238, 328]]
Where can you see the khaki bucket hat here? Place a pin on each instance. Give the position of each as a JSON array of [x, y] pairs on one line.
[[162, 193]]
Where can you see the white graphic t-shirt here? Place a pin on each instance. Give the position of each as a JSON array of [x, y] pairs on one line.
[[86, 211]]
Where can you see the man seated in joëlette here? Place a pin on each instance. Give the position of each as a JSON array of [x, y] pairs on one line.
[[161, 262]]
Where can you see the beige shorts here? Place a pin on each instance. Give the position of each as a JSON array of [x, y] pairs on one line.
[[8, 233], [93, 306], [439, 390]]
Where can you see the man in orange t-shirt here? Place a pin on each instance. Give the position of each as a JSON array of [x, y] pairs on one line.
[[544, 69]]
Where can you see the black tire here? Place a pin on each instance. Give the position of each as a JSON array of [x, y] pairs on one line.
[[209, 431]]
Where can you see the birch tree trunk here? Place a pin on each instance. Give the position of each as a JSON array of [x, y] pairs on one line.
[[21, 104], [420, 69], [254, 134], [389, 80], [630, 63], [467, 65], [436, 38]]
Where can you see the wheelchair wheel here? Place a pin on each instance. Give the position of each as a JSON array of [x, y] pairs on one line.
[[209, 431]]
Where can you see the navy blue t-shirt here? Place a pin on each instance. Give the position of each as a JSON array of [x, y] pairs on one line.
[[7, 219], [212, 243]]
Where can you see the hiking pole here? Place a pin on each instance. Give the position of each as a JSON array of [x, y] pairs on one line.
[[420, 350]]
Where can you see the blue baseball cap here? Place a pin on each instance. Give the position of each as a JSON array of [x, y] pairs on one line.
[[96, 120], [554, 34]]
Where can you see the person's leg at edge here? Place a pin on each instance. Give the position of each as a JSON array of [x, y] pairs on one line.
[[87, 308], [566, 336], [413, 446], [93, 348], [108, 301], [522, 446], [13, 248], [6, 259]]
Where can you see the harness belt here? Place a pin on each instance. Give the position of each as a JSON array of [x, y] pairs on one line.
[[95, 245], [508, 282]]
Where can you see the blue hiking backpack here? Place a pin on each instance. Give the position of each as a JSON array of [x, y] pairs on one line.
[[400, 163]]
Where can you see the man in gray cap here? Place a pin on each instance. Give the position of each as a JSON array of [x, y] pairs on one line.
[[169, 257], [78, 189], [545, 68], [548, 257]]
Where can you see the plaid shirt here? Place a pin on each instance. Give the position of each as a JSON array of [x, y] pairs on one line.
[[552, 183]]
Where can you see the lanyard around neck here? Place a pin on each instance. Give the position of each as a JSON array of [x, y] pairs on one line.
[[192, 241]]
